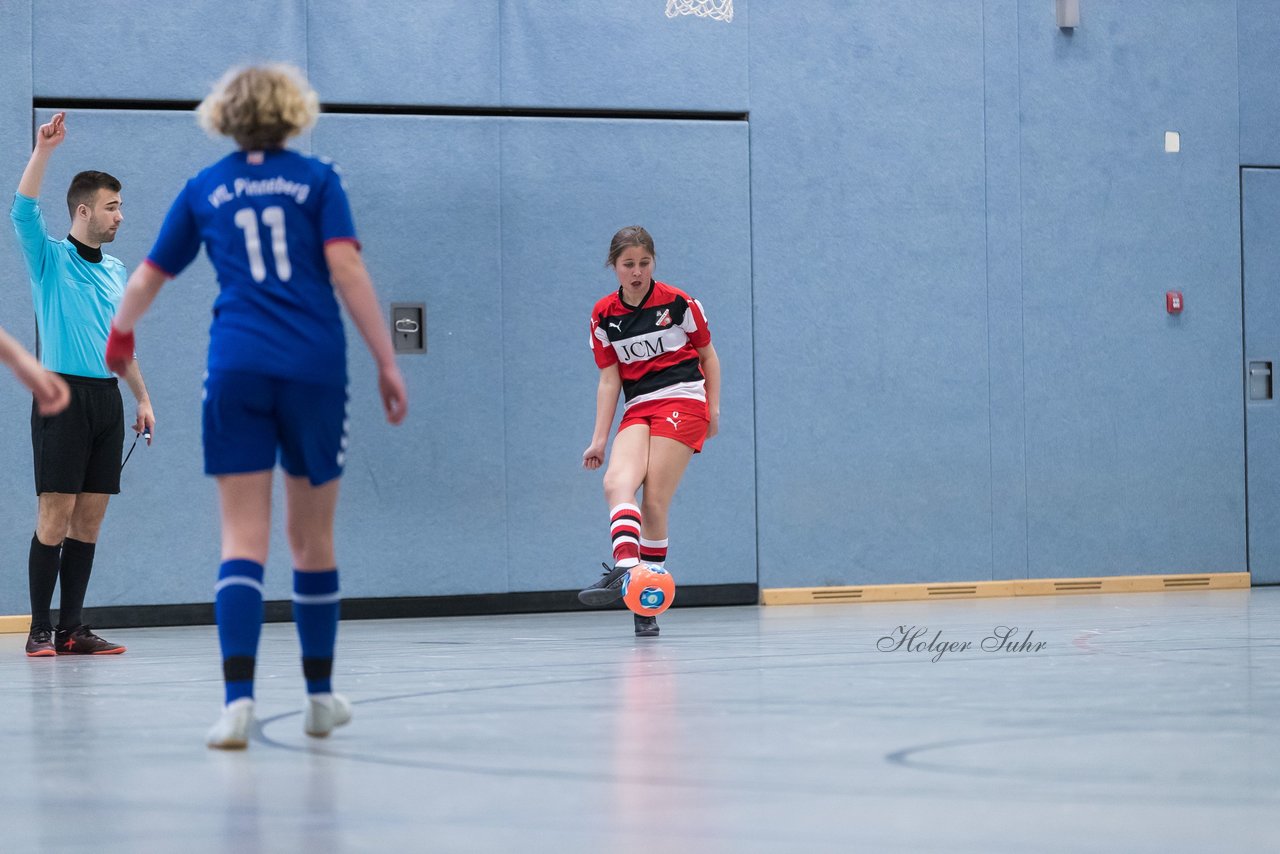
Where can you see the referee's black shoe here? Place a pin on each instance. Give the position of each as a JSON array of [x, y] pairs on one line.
[[40, 642], [607, 589], [81, 641], [646, 627]]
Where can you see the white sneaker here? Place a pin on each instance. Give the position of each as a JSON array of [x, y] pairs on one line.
[[324, 712], [231, 732]]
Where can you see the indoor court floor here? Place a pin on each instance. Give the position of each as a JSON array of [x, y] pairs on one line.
[[1145, 722]]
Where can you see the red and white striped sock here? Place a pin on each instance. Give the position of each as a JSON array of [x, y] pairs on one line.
[[653, 551], [625, 527]]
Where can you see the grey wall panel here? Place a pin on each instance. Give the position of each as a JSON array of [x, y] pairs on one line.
[[1262, 344], [1258, 32], [15, 148], [423, 509], [387, 52], [1134, 418], [17, 500], [874, 456], [85, 49], [1004, 290], [583, 53], [159, 541], [568, 185], [962, 224], [421, 504]]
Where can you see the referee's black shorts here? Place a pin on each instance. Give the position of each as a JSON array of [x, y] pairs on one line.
[[78, 450]]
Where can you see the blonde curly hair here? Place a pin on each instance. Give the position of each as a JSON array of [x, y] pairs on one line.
[[259, 106]]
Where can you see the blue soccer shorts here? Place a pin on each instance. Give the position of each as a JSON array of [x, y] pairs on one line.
[[251, 420]]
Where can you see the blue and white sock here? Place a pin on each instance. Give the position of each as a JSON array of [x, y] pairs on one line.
[[316, 602], [237, 602]]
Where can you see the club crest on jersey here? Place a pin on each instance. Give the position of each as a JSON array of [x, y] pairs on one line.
[[664, 317]]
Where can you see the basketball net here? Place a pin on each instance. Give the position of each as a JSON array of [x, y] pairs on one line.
[[716, 10]]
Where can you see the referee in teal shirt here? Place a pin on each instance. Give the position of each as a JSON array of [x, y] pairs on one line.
[[76, 289]]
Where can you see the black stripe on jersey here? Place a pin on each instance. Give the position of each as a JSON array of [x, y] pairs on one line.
[[642, 321], [688, 371]]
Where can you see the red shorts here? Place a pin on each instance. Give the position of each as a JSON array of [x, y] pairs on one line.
[[682, 419]]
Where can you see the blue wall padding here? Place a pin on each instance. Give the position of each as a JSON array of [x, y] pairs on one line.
[[872, 378], [1262, 343], [1134, 433], [934, 260], [589, 54], [17, 495], [159, 542], [427, 498], [83, 49], [1259, 34], [390, 52], [567, 186]]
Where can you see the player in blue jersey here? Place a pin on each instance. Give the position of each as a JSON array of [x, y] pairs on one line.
[[277, 227], [48, 390], [75, 287]]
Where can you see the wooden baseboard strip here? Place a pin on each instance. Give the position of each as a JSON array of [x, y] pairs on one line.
[[21, 623], [15, 625], [994, 589]]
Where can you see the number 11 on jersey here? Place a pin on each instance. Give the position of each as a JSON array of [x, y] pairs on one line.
[[273, 218]]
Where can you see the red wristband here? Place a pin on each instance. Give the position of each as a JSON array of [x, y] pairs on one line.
[[119, 350]]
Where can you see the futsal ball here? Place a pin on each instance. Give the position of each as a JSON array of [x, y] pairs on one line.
[[648, 589]]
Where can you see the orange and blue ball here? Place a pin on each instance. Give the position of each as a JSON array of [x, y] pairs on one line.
[[648, 590]]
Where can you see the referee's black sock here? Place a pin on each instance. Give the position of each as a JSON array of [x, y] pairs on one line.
[[42, 577], [77, 563]]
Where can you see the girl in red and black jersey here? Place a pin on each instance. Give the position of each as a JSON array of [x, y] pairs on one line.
[[651, 343]]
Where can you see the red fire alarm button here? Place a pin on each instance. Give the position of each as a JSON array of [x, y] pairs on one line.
[[1173, 302]]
